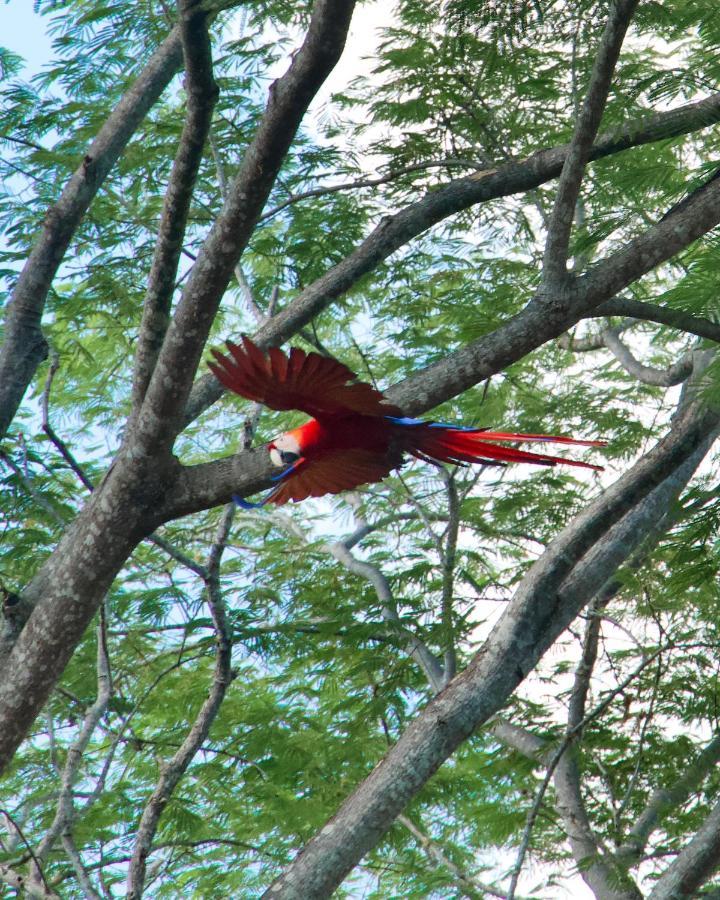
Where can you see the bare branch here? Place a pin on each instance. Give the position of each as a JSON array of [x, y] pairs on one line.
[[674, 374], [675, 318], [24, 346], [586, 127], [172, 771], [201, 92]]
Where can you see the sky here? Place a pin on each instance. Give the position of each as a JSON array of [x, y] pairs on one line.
[[24, 33]]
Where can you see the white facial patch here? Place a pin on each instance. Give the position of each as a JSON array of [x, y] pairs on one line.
[[286, 443]]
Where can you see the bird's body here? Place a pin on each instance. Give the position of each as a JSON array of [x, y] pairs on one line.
[[355, 436]]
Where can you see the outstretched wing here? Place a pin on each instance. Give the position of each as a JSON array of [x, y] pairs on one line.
[[331, 473], [315, 384]]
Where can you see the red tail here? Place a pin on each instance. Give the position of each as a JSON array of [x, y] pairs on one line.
[[440, 443]]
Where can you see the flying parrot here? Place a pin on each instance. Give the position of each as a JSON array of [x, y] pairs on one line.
[[355, 436]]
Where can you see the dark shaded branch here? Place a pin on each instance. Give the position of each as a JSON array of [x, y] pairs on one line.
[[24, 346], [571, 571], [396, 230], [674, 374], [588, 122], [663, 315], [289, 97], [201, 92]]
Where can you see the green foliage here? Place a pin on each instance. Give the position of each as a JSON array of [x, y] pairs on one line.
[[324, 682]]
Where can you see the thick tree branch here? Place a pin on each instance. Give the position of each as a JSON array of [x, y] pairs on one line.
[[396, 230], [573, 569], [588, 122], [24, 346], [201, 92], [289, 98], [123, 509]]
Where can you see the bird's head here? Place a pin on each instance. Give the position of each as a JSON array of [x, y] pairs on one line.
[[284, 450]]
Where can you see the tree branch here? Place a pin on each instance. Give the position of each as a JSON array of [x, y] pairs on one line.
[[695, 863], [24, 346], [289, 97], [598, 869], [674, 374], [396, 230], [663, 315], [588, 122], [65, 812], [575, 566], [172, 771], [664, 800], [469, 887], [201, 92]]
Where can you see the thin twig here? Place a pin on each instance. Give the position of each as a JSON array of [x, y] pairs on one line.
[[555, 759]]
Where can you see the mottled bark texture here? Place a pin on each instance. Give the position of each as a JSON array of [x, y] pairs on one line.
[[69, 587]]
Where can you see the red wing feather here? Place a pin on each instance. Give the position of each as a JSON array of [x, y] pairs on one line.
[[332, 473], [315, 384]]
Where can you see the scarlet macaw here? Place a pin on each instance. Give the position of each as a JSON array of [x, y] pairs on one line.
[[355, 436]]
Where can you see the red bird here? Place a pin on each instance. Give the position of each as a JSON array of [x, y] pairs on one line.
[[356, 436]]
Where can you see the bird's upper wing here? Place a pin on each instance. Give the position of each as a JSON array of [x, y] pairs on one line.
[[335, 471], [315, 384]]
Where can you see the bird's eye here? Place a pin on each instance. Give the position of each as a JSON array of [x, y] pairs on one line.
[[288, 457]]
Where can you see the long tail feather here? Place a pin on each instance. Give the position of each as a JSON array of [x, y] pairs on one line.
[[443, 443]]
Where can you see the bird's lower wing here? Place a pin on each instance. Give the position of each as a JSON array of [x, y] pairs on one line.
[[331, 473]]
